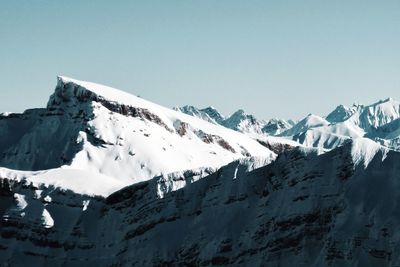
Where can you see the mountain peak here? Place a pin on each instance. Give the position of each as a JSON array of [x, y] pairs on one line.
[[214, 114], [98, 128], [243, 122], [77, 88], [239, 120], [69, 90], [239, 112], [379, 113], [340, 113], [310, 121], [65, 79], [210, 108], [209, 114], [389, 99], [70, 93], [239, 116]]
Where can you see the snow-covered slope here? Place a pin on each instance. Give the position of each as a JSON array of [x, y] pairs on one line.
[[304, 209], [342, 113], [77, 180], [104, 178], [209, 114], [377, 114], [107, 132], [214, 114], [378, 121], [277, 126], [311, 121], [240, 121], [244, 122]]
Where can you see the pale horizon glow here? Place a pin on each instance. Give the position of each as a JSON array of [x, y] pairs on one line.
[[281, 59]]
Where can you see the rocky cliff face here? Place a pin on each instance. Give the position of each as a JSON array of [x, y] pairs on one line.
[[315, 210]]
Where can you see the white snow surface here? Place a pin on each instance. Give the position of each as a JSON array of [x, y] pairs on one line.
[[141, 149], [134, 148], [21, 202], [47, 220], [77, 180], [376, 122], [363, 150], [85, 204], [47, 199], [311, 121], [239, 121]]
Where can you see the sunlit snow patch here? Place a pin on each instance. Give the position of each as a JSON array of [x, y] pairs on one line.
[[47, 220], [21, 202], [363, 150]]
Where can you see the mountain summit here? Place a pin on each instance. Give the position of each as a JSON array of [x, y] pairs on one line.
[[239, 121], [110, 133], [377, 121], [101, 177]]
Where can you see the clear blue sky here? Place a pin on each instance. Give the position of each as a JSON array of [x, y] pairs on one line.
[[271, 58]]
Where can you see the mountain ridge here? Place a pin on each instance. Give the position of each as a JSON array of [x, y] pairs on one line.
[[304, 207], [99, 129], [104, 178]]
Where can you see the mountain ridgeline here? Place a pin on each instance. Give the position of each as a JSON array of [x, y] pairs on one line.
[[379, 122], [239, 121], [100, 177]]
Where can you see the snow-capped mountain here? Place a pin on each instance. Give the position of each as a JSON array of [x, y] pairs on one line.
[[239, 121], [378, 121], [342, 113], [311, 121], [277, 126], [104, 178], [109, 133], [244, 122], [214, 114], [333, 209], [209, 114]]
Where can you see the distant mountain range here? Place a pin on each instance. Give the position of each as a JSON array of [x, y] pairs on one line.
[[379, 122], [239, 121], [101, 177]]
